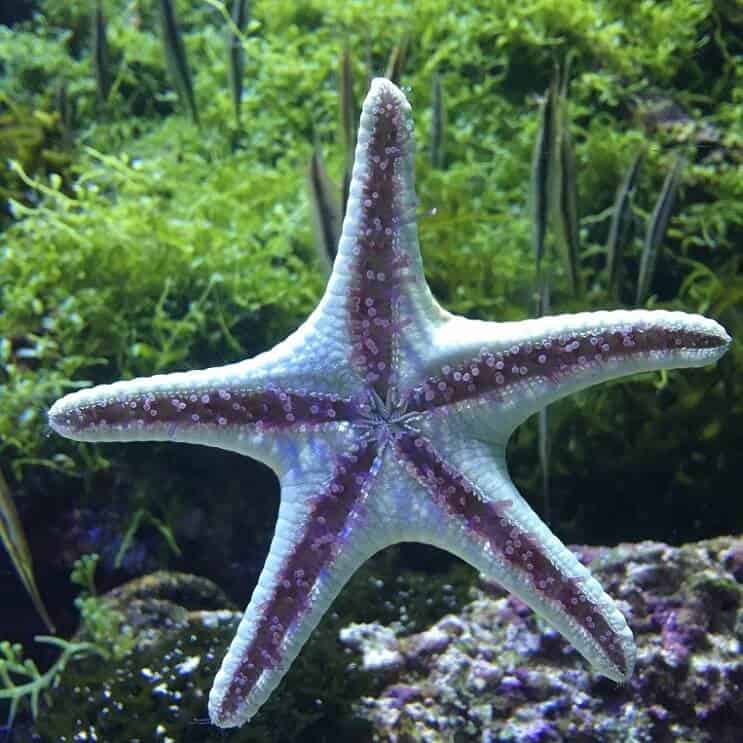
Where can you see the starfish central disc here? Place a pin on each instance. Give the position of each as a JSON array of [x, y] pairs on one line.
[[385, 420]]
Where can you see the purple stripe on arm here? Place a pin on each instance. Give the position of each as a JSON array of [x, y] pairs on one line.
[[489, 521], [302, 571], [269, 408], [552, 359], [377, 257]]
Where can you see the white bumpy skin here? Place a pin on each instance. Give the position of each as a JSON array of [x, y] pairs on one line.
[[386, 419]]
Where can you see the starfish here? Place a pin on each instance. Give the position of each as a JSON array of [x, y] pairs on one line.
[[386, 419]]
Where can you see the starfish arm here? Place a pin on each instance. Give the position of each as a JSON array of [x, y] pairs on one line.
[[244, 407], [377, 283], [323, 534], [523, 366], [475, 511]]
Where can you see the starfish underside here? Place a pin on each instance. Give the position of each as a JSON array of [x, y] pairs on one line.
[[386, 419]]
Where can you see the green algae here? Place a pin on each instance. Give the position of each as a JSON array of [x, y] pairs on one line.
[[173, 249], [21, 679]]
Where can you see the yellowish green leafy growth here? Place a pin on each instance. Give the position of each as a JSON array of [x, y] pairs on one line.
[[21, 679], [100, 624]]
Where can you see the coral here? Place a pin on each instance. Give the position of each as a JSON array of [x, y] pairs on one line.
[[494, 673]]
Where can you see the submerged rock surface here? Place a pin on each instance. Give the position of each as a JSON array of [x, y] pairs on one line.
[[489, 671], [495, 673]]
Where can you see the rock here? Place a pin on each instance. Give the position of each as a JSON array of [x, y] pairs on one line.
[[380, 648], [494, 672], [382, 651], [165, 602], [158, 690], [488, 671]]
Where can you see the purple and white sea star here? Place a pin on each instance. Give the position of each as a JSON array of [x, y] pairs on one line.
[[386, 419]]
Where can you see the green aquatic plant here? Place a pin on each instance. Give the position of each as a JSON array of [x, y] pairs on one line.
[[438, 123], [101, 633], [656, 230], [101, 61], [326, 212], [175, 55], [621, 221], [101, 625], [13, 538], [398, 57], [21, 679], [349, 112], [83, 574], [236, 52], [144, 516], [36, 138], [554, 183]]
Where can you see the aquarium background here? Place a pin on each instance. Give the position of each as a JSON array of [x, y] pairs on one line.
[[149, 224]]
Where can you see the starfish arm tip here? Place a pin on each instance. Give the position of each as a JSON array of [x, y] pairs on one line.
[[62, 417], [381, 85], [616, 658], [217, 715]]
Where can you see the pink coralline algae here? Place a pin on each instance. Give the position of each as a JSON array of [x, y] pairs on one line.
[[496, 673]]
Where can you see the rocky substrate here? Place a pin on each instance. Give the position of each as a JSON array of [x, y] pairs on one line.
[[488, 670], [494, 672]]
